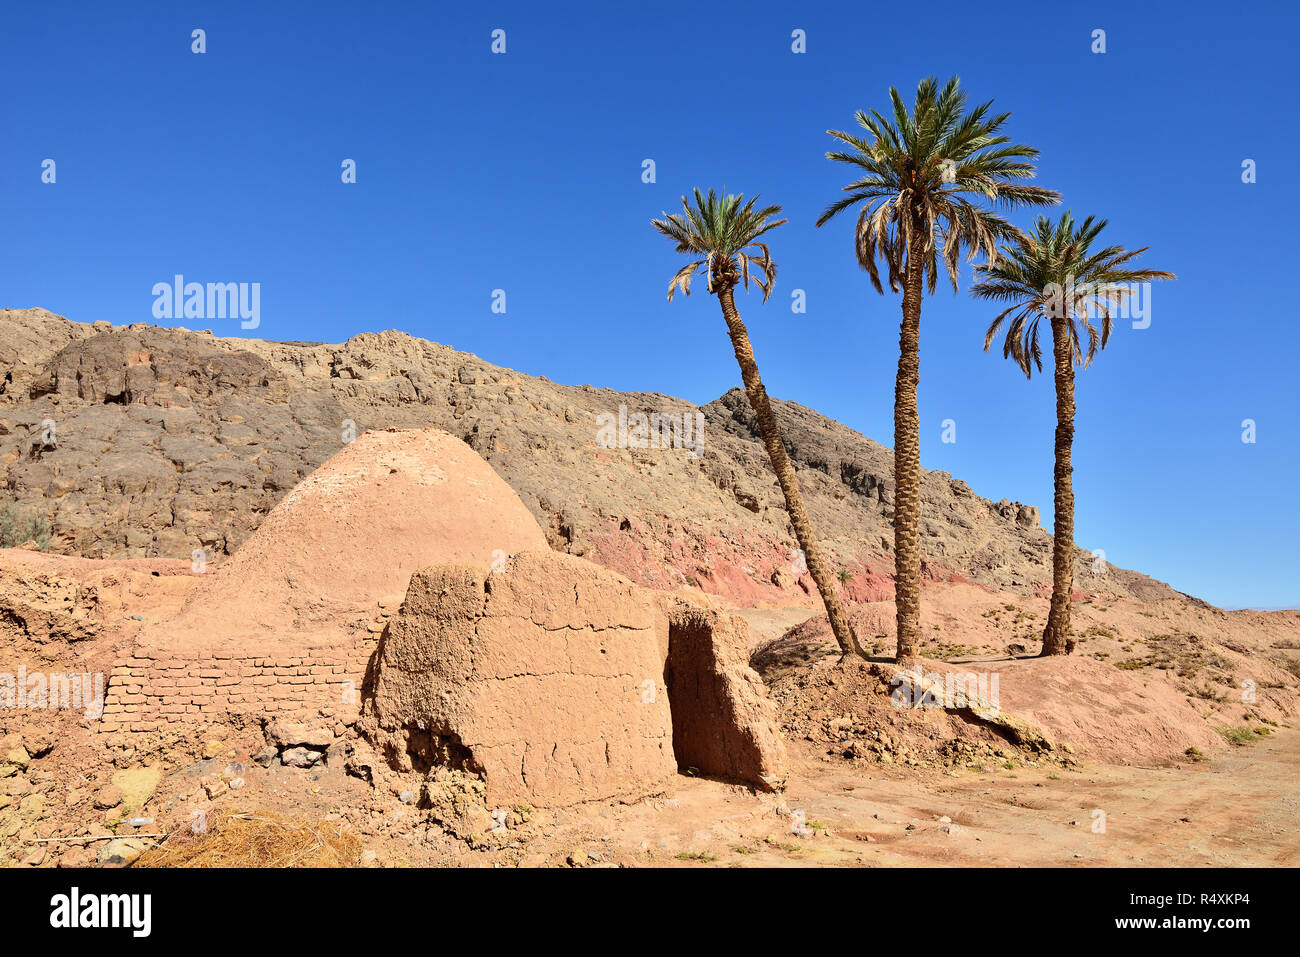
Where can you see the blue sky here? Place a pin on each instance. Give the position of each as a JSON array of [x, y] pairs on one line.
[[523, 172]]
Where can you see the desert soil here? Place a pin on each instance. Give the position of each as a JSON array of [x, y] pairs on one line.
[[1236, 810]]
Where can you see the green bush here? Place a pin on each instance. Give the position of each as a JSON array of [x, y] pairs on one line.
[[1241, 734], [19, 524]]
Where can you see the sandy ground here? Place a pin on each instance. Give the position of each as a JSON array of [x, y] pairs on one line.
[[768, 624], [1235, 811], [1237, 808]]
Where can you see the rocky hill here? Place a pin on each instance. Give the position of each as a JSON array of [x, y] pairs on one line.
[[139, 441]]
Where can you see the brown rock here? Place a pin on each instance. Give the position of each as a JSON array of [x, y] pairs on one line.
[[137, 786], [77, 856], [32, 808], [290, 734], [35, 859], [122, 852], [17, 758]]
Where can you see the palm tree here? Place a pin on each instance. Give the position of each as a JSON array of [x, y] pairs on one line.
[[724, 230], [920, 176], [1055, 274]]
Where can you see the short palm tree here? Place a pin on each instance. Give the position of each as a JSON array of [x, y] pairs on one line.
[[921, 177], [1055, 274], [724, 231]]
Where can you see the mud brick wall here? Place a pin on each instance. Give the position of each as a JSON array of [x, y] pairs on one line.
[[151, 689]]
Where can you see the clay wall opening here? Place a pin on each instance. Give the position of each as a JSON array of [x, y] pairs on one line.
[[721, 725], [694, 711]]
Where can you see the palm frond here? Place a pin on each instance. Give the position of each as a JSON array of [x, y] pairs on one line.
[[922, 168], [1054, 273], [725, 229]]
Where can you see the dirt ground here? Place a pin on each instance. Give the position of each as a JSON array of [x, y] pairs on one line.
[[1236, 810], [870, 784]]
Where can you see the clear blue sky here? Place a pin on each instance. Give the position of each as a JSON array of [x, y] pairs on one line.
[[522, 172]]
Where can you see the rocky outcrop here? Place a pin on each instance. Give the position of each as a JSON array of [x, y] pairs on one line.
[[140, 441]]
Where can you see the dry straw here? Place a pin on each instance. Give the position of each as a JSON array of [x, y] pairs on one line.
[[259, 839]]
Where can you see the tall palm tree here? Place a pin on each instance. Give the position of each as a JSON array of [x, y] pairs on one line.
[[724, 230], [1056, 274], [920, 176]]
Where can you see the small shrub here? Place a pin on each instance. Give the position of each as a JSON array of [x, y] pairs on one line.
[[19, 524], [1241, 734], [704, 856]]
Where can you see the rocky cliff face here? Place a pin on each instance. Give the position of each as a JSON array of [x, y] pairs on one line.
[[139, 441]]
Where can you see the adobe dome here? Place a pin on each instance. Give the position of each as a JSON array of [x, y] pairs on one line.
[[351, 533]]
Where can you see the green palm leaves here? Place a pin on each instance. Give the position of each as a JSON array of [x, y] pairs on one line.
[[724, 229], [921, 174], [1055, 274]]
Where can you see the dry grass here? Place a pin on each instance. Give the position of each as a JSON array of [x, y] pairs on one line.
[[258, 839]]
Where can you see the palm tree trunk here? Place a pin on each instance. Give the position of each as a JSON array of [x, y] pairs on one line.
[[907, 461], [1057, 631], [771, 435]]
